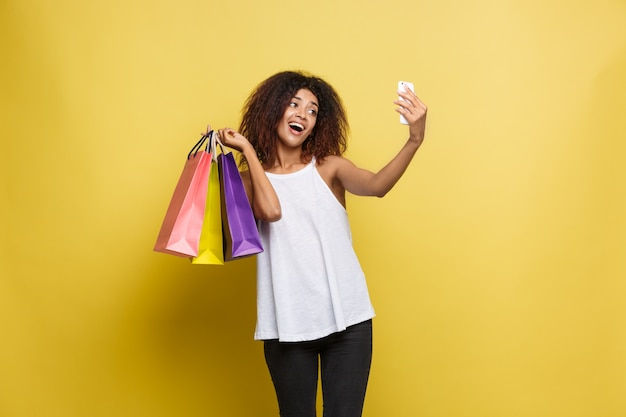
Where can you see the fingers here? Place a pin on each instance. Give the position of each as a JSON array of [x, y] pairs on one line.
[[410, 99], [414, 111], [227, 135], [232, 138], [228, 131], [410, 106], [208, 129], [407, 94]]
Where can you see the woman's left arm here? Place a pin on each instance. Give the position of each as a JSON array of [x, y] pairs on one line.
[[363, 182]]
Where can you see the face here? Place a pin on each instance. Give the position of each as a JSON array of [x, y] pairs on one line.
[[299, 118]]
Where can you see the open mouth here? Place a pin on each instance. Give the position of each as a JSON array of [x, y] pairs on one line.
[[296, 126]]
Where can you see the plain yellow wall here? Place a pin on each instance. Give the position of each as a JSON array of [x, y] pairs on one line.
[[497, 265]]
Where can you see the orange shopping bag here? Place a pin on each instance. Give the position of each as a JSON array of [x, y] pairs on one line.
[[181, 228]]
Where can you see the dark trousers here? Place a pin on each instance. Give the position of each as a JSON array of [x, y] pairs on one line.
[[344, 359]]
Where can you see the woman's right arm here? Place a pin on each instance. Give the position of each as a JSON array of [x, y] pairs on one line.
[[261, 194]]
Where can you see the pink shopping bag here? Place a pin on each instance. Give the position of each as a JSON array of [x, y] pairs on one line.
[[181, 228]]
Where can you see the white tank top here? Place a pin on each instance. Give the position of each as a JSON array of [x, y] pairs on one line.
[[309, 281]]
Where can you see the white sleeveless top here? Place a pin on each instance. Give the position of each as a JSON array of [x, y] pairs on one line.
[[309, 281]]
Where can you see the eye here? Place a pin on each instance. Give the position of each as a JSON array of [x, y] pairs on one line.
[[313, 112], [293, 104]]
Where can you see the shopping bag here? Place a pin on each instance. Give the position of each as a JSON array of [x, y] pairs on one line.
[[211, 247], [241, 236], [181, 228]]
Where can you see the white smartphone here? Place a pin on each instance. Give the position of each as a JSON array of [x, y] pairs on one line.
[[401, 85]]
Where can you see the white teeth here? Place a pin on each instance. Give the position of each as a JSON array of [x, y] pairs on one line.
[[296, 126]]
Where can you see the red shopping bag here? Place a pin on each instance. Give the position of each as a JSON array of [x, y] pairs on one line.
[[181, 228]]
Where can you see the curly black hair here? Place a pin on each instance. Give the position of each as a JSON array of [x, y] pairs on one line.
[[266, 105]]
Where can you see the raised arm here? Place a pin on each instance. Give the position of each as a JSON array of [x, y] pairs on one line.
[[363, 182], [261, 194]]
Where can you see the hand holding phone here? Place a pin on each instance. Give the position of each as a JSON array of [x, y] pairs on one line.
[[401, 87]]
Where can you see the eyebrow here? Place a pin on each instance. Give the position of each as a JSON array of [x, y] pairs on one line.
[[314, 103]]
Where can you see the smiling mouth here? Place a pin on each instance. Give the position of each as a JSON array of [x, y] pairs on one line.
[[296, 126]]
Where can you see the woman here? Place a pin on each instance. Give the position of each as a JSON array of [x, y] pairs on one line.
[[313, 307]]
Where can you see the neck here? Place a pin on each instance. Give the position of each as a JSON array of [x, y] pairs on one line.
[[286, 162], [287, 157]]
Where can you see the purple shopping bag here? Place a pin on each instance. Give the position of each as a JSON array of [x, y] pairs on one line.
[[180, 230], [241, 236]]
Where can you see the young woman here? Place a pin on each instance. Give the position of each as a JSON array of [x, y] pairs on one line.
[[313, 307]]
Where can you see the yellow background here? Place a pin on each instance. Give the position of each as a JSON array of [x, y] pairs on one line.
[[496, 265]]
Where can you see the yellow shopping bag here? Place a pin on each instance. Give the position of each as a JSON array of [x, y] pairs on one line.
[[211, 248]]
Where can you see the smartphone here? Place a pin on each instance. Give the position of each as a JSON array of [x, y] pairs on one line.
[[401, 85]]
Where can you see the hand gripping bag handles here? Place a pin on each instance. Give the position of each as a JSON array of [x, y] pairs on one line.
[[241, 236], [181, 228], [211, 248]]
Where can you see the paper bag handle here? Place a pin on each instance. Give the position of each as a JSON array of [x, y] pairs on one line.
[[198, 145]]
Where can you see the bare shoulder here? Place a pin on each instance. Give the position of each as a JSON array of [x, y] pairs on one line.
[[343, 175], [329, 169], [334, 163], [330, 166]]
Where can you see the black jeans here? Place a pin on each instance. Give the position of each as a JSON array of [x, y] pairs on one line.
[[345, 359]]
